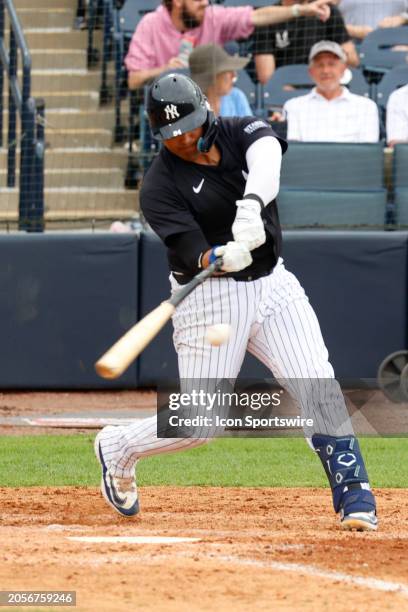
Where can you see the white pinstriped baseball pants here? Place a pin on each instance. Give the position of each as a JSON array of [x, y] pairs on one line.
[[272, 318]]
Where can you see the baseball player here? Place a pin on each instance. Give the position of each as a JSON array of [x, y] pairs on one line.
[[211, 192]]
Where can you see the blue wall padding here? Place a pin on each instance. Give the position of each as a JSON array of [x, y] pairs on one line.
[[356, 281], [64, 299]]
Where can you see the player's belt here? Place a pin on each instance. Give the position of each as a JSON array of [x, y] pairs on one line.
[[182, 279]]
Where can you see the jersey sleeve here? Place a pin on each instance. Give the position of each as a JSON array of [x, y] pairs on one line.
[[246, 130], [170, 218]]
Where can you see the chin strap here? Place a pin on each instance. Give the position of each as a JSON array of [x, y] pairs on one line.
[[206, 141]]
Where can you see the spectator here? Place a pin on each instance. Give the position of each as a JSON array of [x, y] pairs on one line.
[[164, 38], [364, 16], [214, 70], [290, 42], [330, 113], [397, 116]]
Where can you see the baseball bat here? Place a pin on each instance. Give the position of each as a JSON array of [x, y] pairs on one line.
[[119, 357]]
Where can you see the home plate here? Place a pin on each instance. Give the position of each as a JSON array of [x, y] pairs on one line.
[[131, 539]]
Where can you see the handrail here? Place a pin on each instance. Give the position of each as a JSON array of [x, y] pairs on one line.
[[31, 182]]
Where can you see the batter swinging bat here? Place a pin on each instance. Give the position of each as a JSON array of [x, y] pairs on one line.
[[119, 357]]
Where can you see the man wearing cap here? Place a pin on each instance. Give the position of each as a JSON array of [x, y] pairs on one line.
[[164, 38], [330, 113], [289, 42], [215, 71]]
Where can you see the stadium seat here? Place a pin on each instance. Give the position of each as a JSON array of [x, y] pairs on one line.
[[334, 166], [401, 205], [333, 184], [297, 76], [400, 182], [395, 78], [400, 165], [316, 208], [246, 84], [131, 13], [376, 51], [145, 6]]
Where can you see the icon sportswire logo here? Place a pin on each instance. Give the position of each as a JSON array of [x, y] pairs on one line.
[[198, 188]]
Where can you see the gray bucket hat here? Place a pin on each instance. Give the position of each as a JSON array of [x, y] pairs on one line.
[[206, 61]]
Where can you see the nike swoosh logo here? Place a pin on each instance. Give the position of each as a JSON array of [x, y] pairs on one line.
[[244, 174], [198, 188]]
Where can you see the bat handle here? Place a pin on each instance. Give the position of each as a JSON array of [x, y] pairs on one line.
[[180, 294]]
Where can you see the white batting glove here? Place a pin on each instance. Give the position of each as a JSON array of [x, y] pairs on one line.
[[235, 256], [248, 227]]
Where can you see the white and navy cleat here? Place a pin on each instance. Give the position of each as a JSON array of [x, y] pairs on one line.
[[120, 493], [359, 521]]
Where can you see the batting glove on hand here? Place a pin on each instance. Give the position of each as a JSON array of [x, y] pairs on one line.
[[235, 256], [248, 227]]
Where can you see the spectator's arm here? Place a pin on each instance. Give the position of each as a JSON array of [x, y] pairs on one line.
[[265, 67], [358, 31], [269, 15], [351, 52], [138, 78], [394, 21]]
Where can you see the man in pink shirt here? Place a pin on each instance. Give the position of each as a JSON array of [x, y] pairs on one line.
[[163, 39]]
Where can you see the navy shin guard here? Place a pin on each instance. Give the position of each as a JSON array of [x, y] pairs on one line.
[[345, 469]]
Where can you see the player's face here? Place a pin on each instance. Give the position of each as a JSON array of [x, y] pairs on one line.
[[185, 145], [224, 82], [327, 70], [192, 12]]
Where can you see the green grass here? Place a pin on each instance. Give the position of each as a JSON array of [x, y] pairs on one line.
[[69, 460]]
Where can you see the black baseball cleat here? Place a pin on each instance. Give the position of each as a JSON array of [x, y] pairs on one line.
[[120, 493]]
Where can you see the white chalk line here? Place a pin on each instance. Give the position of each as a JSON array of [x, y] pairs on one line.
[[131, 539], [311, 570], [300, 569]]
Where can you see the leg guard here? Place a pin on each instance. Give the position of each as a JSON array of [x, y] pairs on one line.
[[345, 469]]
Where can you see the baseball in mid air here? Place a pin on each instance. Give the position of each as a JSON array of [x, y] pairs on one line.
[[218, 334]]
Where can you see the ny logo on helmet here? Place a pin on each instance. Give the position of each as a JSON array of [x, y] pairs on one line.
[[171, 111]]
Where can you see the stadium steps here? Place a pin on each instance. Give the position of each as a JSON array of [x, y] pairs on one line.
[[59, 59], [74, 203], [84, 173], [40, 17], [47, 4], [81, 177], [78, 157]]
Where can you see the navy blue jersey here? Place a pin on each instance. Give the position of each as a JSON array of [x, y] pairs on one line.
[[192, 206]]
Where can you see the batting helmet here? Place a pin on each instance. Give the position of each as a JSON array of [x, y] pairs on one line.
[[176, 105]]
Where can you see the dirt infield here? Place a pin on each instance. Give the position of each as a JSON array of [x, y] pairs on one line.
[[258, 549]]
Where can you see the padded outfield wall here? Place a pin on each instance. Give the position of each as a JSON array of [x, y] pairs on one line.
[[65, 298]]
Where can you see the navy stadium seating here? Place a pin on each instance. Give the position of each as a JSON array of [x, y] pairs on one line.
[[332, 184], [376, 50]]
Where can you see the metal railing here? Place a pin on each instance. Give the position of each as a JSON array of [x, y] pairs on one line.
[[31, 112]]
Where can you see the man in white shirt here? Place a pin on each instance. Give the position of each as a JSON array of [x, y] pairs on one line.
[[364, 16], [397, 116], [330, 113]]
